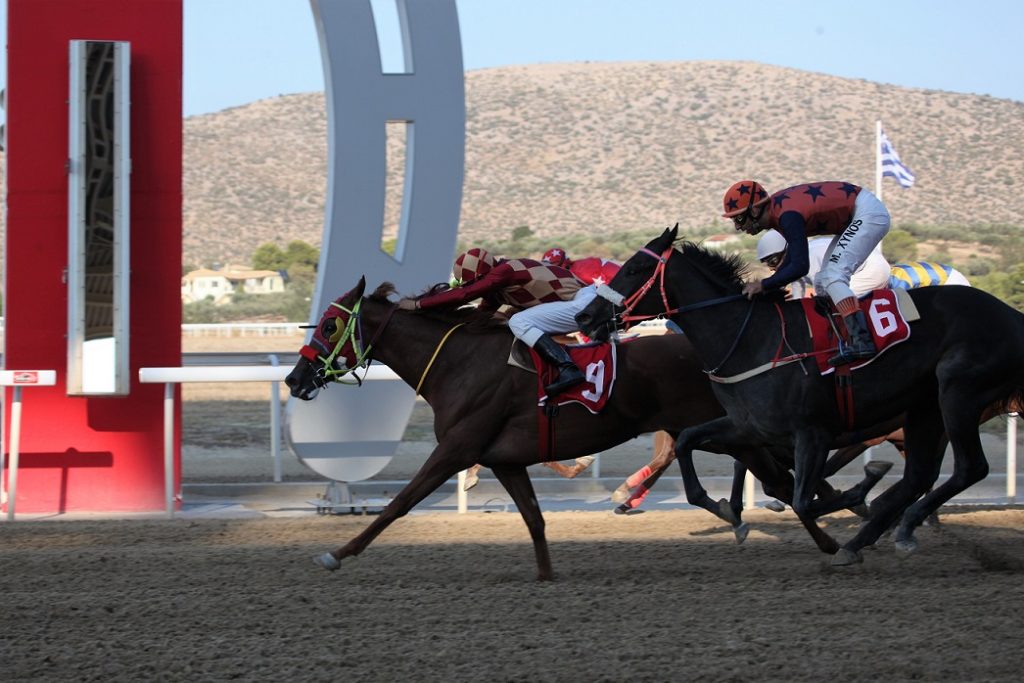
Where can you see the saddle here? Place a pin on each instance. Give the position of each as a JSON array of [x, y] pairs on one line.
[[887, 311]]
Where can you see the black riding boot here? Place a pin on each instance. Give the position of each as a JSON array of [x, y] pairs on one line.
[[555, 354], [862, 344]]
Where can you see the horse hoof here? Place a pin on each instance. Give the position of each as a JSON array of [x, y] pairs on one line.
[[845, 557], [726, 512], [877, 468], [328, 562], [619, 496], [905, 547], [471, 481], [626, 510], [585, 461], [775, 506], [741, 531]]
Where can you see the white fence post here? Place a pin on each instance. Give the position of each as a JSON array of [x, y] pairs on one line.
[[1011, 458], [19, 379], [275, 421]]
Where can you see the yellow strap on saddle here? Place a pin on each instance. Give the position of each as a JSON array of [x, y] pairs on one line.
[[434, 357]]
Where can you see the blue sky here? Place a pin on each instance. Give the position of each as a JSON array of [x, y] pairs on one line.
[[238, 51]]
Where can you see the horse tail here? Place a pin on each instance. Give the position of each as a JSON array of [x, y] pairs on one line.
[[1014, 403]]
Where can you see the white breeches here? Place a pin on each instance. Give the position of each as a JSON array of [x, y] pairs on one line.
[[556, 317], [852, 247]]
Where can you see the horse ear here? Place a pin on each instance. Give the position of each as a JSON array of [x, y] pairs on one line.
[[671, 233], [360, 287]]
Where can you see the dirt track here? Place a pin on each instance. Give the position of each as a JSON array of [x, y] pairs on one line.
[[658, 596]]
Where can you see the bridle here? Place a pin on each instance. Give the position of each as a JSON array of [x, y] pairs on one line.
[[619, 300], [352, 333]]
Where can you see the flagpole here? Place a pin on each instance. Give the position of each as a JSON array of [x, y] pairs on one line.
[[878, 159]]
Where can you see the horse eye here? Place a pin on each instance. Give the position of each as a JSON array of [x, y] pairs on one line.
[[329, 327]]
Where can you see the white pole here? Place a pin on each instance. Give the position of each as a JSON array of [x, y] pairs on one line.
[[275, 421], [748, 491], [461, 496], [1011, 458], [12, 475], [878, 159], [169, 448]]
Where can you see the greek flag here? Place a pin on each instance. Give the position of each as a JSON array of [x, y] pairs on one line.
[[891, 164]]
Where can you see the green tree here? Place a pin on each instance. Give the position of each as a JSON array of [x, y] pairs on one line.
[[269, 257], [899, 246], [301, 253]]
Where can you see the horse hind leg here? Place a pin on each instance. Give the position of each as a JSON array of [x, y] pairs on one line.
[[924, 434], [517, 482], [969, 467]]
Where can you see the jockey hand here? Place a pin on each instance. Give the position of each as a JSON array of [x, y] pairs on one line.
[[753, 288], [408, 304]]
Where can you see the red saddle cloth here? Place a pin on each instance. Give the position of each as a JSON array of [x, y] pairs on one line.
[[882, 311], [597, 362]]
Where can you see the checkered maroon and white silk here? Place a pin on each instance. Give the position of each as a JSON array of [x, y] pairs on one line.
[[520, 283]]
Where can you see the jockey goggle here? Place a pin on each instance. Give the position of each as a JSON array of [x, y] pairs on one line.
[[774, 260], [329, 341]]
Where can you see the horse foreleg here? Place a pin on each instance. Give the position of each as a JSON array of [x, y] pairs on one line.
[[644, 478], [442, 465], [517, 482]]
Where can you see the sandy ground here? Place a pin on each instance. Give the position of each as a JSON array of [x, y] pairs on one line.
[[666, 595], [660, 596]]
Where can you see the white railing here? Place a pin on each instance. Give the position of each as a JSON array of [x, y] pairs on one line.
[[240, 329], [169, 376]]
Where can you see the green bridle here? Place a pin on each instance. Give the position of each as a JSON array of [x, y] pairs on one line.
[[351, 332]]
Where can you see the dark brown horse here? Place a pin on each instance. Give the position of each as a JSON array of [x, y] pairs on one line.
[[962, 358], [485, 411]]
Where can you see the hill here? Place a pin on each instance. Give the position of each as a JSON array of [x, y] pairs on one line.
[[600, 148]]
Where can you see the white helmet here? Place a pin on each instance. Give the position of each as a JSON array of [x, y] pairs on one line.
[[772, 242]]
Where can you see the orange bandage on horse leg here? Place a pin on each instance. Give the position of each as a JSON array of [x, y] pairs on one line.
[[638, 476]]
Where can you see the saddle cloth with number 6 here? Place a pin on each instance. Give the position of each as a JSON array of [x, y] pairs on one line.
[[884, 315], [597, 361]]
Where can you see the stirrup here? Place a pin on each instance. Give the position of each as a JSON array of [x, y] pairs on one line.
[[848, 355], [566, 380]]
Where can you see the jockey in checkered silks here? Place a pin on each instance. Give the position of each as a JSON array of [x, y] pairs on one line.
[[546, 299]]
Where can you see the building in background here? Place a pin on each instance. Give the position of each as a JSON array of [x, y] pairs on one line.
[[221, 285]]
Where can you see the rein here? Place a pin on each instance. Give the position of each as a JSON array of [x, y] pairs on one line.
[[430, 363]]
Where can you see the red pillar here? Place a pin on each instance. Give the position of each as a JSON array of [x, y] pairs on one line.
[[91, 453]]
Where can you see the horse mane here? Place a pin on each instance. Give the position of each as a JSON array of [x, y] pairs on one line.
[[731, 269], [474, 319], [728, 268]]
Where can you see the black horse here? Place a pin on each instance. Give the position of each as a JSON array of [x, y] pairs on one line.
[[963, 357]]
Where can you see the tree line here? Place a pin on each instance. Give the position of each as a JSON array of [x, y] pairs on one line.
[[1001, 275]]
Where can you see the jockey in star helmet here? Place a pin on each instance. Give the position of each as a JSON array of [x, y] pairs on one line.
[[744, 203], [556, 256]]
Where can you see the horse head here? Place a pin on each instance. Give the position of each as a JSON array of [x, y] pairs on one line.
[[599, 319], [334, 349], [663, 280]]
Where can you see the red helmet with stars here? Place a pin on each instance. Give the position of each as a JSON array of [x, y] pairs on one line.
[[556, 256], [741, 196], [471, 265]]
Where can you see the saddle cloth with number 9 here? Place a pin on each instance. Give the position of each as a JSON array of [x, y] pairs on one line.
[[883, 314], [597, 361]]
